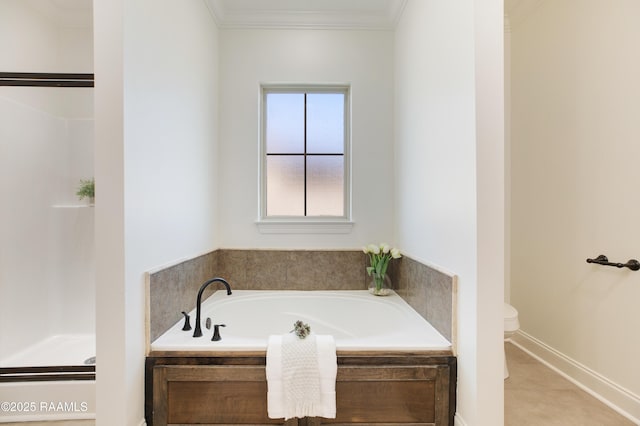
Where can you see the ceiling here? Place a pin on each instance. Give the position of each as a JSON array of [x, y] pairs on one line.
[[361, 14], [358, 14]]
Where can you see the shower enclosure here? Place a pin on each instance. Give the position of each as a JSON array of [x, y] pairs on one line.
[[47, 283], [47, 290]]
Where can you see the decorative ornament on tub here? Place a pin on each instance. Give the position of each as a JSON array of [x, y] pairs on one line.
[[379, 257], [301, 329]]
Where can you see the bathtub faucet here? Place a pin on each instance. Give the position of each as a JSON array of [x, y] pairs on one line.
[[198, 331]]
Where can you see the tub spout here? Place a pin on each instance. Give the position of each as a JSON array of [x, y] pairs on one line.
[[198, 330]]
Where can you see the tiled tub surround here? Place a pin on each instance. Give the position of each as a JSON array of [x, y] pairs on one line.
[[431, 292], [173, 289]]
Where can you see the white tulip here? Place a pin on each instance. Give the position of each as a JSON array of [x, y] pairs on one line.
[[373, 249], [395, 253], [385, 248]]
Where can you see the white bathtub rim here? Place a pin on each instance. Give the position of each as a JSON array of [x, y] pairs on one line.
[[53, 350], [172, 339]]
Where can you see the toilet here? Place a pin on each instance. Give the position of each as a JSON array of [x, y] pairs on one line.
[[511, 325]]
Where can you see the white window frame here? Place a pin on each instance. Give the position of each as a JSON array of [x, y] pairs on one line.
[[304, 224]]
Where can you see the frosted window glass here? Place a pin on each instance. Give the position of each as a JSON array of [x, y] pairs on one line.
[[285, 185], [325, 177], [285, 123], [325, 123]]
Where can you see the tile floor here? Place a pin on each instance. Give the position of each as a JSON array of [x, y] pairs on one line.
[[535, 395]]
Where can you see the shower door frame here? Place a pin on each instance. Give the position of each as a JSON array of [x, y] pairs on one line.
[[62, 372]]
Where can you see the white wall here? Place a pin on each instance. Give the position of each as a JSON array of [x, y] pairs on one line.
[[31, 165], [46, 146], [449, 183], [507, 156], [448, 197], [575, 131], [360, 58], [156, 156], [37, 48], [73, 301]]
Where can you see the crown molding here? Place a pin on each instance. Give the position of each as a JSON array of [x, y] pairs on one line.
[[320, 18], [212, 12], [396, 9]]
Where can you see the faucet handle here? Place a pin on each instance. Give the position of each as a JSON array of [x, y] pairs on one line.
[[216, 332], [187, 324]]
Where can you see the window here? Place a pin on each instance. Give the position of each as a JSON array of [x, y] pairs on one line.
[[305, 154]]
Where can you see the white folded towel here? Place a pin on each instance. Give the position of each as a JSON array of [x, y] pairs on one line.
[[301, 376]]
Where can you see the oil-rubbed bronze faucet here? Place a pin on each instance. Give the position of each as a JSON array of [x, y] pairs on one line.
[[198, 330], [216, 332]]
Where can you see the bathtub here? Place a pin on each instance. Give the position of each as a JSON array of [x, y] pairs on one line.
[[384, 347], [356, 319], [58, 382]]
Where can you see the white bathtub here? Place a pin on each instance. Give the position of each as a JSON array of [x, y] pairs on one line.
[[23, 401], [59, 349], [356, 319]]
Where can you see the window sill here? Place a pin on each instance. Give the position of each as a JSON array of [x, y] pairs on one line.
[[288, 226]]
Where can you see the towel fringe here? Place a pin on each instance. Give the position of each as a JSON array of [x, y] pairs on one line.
[[304, 410]]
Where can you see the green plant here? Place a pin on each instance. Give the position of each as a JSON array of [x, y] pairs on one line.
[[379, 257], [86, 189]]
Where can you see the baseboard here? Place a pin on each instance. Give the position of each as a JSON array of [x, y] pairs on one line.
[[458, 420], [615, 396]]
